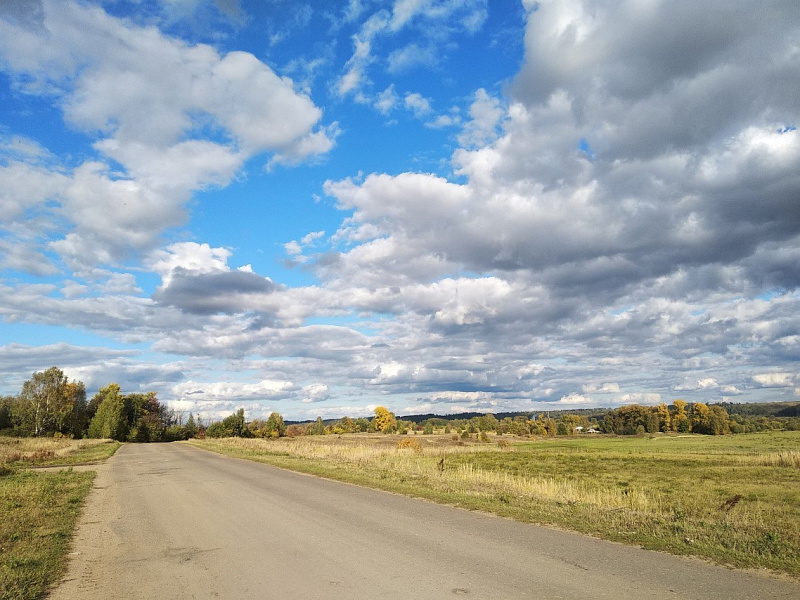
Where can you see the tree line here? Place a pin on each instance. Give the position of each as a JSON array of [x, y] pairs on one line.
[[51, 405], [678, 417]]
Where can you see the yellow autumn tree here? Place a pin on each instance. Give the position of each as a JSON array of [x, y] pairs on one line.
[[384, 420], [664, 419], [680, 420]]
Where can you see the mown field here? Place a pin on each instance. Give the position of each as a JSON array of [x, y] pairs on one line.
[[39, 508], [732, 499]]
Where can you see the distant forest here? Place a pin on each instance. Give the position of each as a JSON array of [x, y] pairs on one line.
[[51, 405]]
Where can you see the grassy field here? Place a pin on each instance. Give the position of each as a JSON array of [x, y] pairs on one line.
[[39, 509], [732, 499]]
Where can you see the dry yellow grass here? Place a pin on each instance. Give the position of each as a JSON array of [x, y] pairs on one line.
[[30, 451], [429, 463]]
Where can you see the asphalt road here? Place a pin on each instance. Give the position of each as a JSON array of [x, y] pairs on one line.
[[171, 521]]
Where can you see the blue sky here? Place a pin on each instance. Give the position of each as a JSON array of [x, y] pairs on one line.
[[436, 206]]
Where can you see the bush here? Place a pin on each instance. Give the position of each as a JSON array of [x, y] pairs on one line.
[[177, 433], [411, 443]]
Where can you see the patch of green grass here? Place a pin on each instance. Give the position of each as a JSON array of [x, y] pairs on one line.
[[39, 511], [732, 499]]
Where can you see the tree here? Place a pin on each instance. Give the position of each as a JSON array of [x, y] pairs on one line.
[[111, 419], [680, 420], [6, 421], [709, 420], [73, 420], [487, 422], [275, 427], [43, 406], [215, 430], [235, 425], [318, 428], [191, 426], [664, 418], [384, 420]]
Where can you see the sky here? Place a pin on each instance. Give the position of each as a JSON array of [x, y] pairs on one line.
[[436, 206]]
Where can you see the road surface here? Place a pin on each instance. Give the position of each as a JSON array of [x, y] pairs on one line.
[[171, 521]]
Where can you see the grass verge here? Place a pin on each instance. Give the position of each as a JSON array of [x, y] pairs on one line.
[[39, 509], [733, 499]]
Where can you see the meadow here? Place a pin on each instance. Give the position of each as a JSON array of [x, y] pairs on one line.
[[40, 508], [734, 500]]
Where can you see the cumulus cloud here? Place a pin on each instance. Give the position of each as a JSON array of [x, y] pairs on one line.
[[486, 114], [707, 383], [603, 388], [224, 391], [622, 226], [150, 101], [211, 293], [775, 380], [316, 392], [574, 399]]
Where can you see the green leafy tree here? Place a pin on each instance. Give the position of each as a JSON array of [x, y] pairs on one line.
[[191, 426], [275, 427], [73, 420], [44, 405], [111, 419], [318, 428], [487, 422], [235, 425], [215, 430], [6, 422]]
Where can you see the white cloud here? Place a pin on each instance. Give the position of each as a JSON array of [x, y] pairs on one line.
[[417, 104], [188, 256], [411, 56], [639, 398], [604, 388], [706, 383], [150, 100], [387, 100], [598, 233], [433, 24], [316, 392], [775, 380], [486, 113], [574, 399], [226, 391]]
